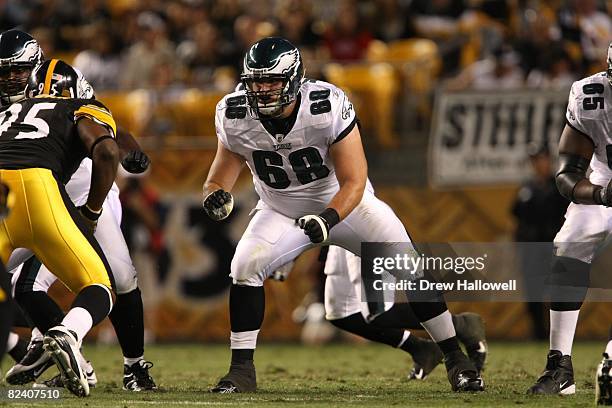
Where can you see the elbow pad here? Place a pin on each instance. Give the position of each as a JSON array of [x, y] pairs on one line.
[[572, 169]]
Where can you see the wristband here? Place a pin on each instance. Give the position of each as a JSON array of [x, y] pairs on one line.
[[331, 217], [91, 214]]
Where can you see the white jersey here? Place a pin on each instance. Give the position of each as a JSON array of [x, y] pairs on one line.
[[293, 174], [589, 111], [78, 186]]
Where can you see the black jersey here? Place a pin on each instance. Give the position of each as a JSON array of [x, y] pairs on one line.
[[41, 132]]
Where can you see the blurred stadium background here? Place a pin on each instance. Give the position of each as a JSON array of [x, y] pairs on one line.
[[451, 93]]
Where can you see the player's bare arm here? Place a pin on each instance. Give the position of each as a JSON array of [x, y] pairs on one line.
[[133, 159], [351, 171], [105, 157], [575, 152], [224, 172]]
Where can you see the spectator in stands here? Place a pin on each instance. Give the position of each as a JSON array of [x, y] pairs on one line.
[[13, 13], [100, 63], [499, 71], [151, 49], [555, 70], [437, 18], [392, 21], [536, 33], [588, 29], [202, 56], [224, 14], [297, 24], [248, 29], [347, 39], [539, 210]]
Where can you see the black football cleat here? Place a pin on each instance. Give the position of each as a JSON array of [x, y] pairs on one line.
[[137, 378], [63, 346], [603, 385], [462, 374], [35, 362], [426, 357], [241, 378], [58, 381], [472, 334], [557, 378]]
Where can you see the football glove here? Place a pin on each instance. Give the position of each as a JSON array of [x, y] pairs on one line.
[[90, 216], [218, 205], [136, 162], [317, 226], [603, 195]]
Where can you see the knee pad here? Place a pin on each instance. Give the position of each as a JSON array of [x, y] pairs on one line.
[[247, 272], [125, 276]]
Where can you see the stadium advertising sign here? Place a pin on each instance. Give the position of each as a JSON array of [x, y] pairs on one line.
[[481, 138]]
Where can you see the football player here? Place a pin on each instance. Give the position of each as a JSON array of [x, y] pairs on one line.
[[301, 142], [584, 144], [32, 279], [345, 309], [42, 141]]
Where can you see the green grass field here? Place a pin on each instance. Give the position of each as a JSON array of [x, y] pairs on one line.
[[338, 375]]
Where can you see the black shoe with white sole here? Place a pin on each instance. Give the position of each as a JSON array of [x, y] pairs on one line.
[[63, 346], [557, 378], [462, 374], [137, 378], [426, 357], [240, 378], [471, 332], [32, 365]]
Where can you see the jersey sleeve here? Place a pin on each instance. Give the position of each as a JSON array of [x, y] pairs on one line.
[[219, 125], [344, 117], [577, 117], [96, 111]]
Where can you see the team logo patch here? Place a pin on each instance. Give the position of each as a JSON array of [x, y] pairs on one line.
[[347, 107], [282, 146]]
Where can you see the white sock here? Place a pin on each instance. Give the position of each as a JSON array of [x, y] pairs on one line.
[[79, 321], [36, 334], [562, 329], [244, 340], [13, 338], [404, 338], [130, 361], [440, 327], [609, 349]]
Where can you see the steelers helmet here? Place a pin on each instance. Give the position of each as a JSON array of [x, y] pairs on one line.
[[20, 54], [57, 78], [271, 59]]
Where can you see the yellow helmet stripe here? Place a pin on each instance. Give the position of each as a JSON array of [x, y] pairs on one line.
[[48, 77]]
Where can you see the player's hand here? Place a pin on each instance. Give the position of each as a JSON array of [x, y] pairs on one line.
[[218, 204], [317, 226], [604, 195], [6, 200], [136, 162], [91, 217]]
